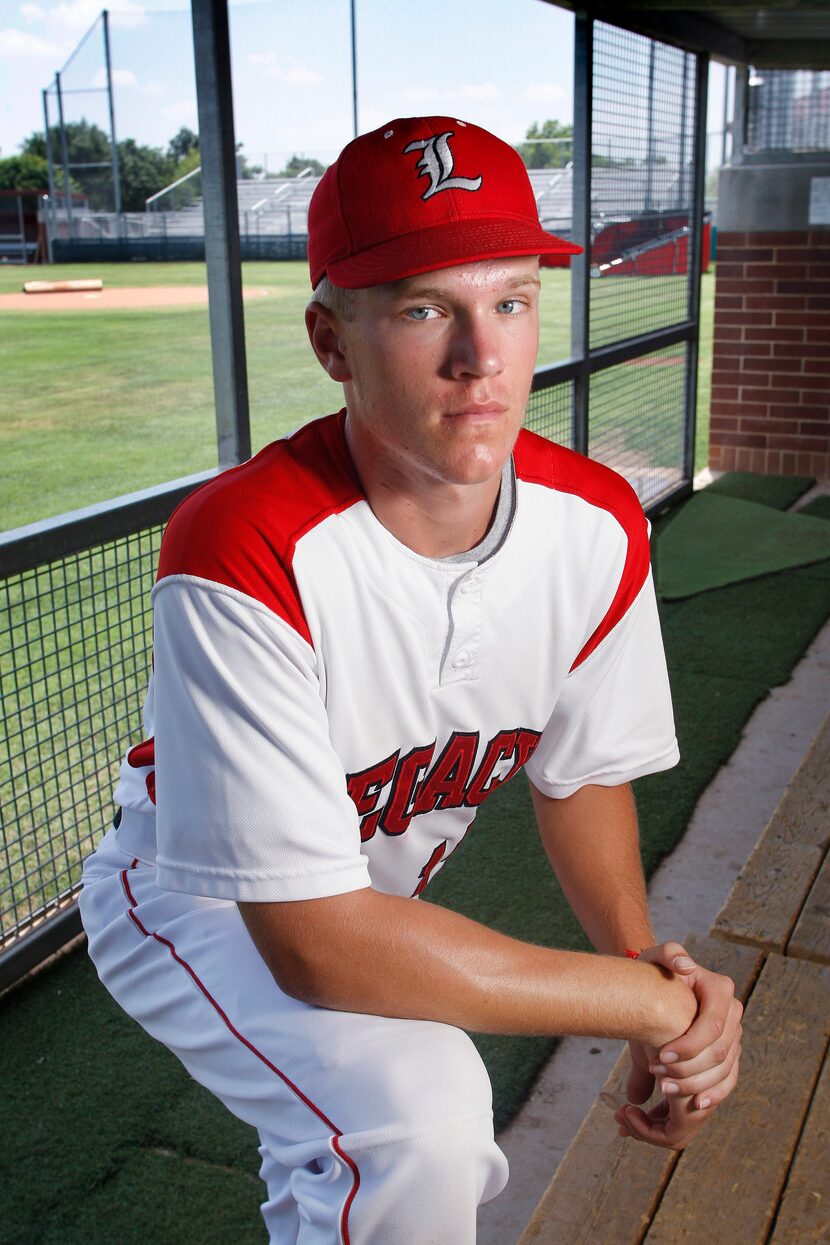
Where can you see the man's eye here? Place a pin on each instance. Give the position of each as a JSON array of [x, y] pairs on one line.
[[510, 306], [421, 313]]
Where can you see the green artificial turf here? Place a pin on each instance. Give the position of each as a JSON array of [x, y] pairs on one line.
[[718, 540], [819, 507], [107, 1139], [780, 492]]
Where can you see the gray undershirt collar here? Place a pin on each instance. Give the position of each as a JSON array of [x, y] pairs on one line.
[[505, 509]]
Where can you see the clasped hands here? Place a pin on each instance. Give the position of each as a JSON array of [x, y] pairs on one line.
[[697, 1070]]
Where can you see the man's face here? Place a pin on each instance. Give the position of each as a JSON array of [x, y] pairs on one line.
[[440, 368]]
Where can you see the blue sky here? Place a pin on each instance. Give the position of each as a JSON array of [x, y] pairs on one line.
[[501, 63]]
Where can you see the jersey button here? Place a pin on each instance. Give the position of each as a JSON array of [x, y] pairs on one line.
[[469, 585], [461, 659]]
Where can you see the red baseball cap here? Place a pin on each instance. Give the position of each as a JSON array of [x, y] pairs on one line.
[[422, 193]]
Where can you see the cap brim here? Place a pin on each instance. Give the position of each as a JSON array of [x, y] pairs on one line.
[[446, 246]]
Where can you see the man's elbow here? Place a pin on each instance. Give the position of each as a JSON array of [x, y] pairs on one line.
[[305, 944]]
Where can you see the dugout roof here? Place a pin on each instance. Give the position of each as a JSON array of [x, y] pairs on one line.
[[778, 34]]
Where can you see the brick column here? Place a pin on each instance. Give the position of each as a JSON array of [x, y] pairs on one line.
[[771, 359]]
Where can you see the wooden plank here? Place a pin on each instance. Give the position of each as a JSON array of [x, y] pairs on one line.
[[811, 937], [804, 1213], [607, 1187], [725, 1188], [768, 894], [767, 898], [765, 902], [803, 813]]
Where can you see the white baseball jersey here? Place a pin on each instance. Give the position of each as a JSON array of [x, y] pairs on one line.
[[328, 709]]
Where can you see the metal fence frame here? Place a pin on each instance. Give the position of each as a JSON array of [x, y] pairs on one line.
[[38, 544]]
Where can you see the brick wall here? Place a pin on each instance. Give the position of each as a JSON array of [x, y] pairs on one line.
[[771, 354]]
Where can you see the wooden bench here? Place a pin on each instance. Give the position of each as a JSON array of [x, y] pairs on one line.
[[759, 1172]]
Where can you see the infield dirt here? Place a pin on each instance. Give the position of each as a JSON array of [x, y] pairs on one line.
[[117, 298]]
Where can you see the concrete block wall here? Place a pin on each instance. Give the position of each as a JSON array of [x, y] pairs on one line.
[[770, 409]]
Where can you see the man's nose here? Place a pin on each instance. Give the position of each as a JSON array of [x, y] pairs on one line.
[[475, 350]]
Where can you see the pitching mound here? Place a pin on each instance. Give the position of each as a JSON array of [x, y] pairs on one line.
[[117, 298]]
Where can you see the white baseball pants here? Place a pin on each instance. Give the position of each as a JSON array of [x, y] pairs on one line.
[[374, 1131]]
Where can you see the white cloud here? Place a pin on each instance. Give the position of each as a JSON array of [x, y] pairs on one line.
[[183, 111], [153, 88], [120, 77], [76, 16], [21, 43], [545, 93], [299, 73]]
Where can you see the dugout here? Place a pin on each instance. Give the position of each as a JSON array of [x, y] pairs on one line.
[[626, 394], [22, 235]]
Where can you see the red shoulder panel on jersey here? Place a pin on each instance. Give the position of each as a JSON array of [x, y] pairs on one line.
[[539, 461], [241, 529]]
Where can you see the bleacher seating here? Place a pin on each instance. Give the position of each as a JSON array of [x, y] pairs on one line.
[[278, 206]]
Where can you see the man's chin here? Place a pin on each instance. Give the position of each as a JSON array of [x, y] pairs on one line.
[[476, 472]]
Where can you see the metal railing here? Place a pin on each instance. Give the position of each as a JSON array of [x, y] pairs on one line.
[[74, 654], [150, 204]]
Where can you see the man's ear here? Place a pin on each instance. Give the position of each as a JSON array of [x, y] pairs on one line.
[[326, 341]]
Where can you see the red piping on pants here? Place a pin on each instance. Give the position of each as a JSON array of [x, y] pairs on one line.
[[336, 1133]]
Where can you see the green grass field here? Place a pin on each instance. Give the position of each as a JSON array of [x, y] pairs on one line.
[[98, 403]]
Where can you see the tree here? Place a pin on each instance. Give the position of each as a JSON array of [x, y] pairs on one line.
[[144, 171], [181, 146], [296, 165], [34, 145], [86, 144], [548, 155], [24, 172]]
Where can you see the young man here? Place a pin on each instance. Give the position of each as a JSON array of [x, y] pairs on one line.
[[358, 636]]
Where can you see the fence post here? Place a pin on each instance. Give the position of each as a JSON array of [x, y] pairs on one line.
[[581, 186], [65, 153], [116, 168], [214, 93], [694, 253]]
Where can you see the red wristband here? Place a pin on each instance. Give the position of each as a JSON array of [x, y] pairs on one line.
[[632, 955]]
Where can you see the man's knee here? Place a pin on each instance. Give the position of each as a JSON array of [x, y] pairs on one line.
[[429, 1074]]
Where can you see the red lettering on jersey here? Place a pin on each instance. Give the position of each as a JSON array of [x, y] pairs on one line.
[[446, 783], [499, 749], [525, 748], [399, 809], [424, 875], [417, 789], [365, 788]]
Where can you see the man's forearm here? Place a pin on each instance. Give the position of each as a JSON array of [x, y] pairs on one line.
[[592, 842], [387, 955]]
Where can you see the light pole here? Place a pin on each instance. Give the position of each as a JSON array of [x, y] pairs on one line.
[[354, 67]]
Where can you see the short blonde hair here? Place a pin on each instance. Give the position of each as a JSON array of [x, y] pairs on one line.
[[339, 301]]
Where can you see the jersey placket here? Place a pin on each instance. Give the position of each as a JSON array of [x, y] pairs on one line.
[[462, 660]]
